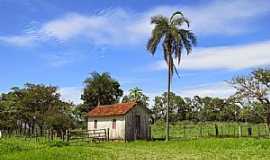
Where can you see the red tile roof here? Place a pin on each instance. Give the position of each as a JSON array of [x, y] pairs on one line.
[[111, 110]]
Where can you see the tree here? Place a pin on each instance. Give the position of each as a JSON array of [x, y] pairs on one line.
[[100, 89], [174, 40], [255, 88], [8, 111], [136, 94], [177, 107], [60, 117], [28, 108]]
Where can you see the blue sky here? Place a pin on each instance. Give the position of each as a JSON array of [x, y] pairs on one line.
[[60, 42]]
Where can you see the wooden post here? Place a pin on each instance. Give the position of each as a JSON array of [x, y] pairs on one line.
[[221, 128], [184, 131], [83, 137], [249, 131], [36, 134], [150, 133], [233, 130], [68, 135], [258, 130], [216, 129], [266, 132], [108, 134], [62, 135], [49, 134], [240, 130], [52, 134], [200, 130]]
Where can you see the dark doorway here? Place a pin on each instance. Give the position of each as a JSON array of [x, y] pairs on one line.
[[137, 127]]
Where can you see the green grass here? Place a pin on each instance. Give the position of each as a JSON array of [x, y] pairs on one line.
[[195, 130], [202, 148], [189, 146]]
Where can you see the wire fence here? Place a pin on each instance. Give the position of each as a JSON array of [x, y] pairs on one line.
[[59, 135], [177, 131], [211, 129]]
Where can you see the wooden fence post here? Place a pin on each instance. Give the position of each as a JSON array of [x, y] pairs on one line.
[[200, 130], [108, 134], [216, 129], [258, 130], [52, 134], [233, 130], [68, 135], [184, 131], [36, 137], [240, 130]]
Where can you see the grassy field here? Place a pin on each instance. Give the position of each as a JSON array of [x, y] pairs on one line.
[[202, 148], [195, 130], [186, 145]]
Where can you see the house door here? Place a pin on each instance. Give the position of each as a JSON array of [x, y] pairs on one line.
[[137, 127]]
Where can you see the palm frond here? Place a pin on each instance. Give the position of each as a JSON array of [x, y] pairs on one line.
[[176, 13], [178, 51], [157, 34], [192, 37], [188, 39], [174, 39], [159, 20], [180, 21]]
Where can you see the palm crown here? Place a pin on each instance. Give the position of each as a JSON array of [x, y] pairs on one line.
[[174, 38]]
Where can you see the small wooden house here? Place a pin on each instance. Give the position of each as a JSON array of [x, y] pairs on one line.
[[126, 121]]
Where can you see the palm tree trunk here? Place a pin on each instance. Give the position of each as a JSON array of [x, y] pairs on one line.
[[168, 101]]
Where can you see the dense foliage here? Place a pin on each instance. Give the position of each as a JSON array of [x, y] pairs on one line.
[[136, 95], [34, 107], [100, 89], [37, 106], [250, 103]]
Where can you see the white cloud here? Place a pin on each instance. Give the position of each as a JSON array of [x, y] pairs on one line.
[[58, 59], [228, 57], [220, 89], [227, 17], [118, 26], [71, 94], [18, 40], [217, 89], [72, 25]]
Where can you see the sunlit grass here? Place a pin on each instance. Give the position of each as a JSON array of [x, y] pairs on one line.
[[202, 148]]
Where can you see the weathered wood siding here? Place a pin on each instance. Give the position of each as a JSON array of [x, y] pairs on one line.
[[106, 122], [130, 119]]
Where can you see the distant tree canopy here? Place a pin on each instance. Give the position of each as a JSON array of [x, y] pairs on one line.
[[250, 103], [203, 109], [176, 107], [39, 106], [136, 95], [254, 89], [34, 105], [100, 89]]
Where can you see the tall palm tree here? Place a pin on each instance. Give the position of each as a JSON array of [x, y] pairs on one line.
[[174, 39]]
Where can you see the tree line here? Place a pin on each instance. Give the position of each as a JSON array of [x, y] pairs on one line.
[[250, 103], [38, 106], [32, 107]]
